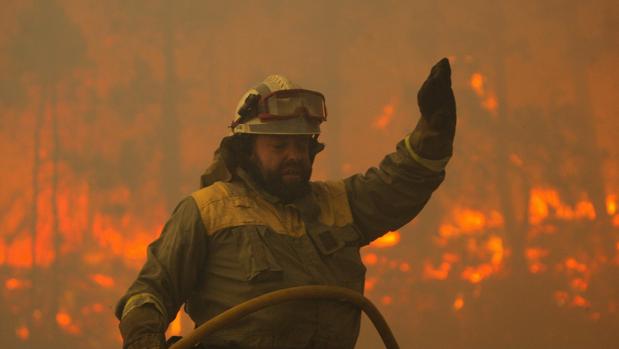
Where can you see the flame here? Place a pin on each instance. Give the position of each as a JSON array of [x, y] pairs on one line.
[[18, 254], [390, 239], [490, 103], [370, 283], [469, 221], [488, 99], [175, 328], [382, 121], [120, 236], [64, 320], [405, 267], [533, 256], [107, 232], [370, 259], [477, 84], [611, 204], [458, 303], [572, 264], [102, 280], [535, 253], [579, 285], [440, 273], [93, 308], [580, 301], [478, 273], [542, 200], [16, 284], [495, 246], [72, 221], [536, 268], [22, 333]]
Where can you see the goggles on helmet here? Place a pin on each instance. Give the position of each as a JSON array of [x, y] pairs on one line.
[[286, 104]]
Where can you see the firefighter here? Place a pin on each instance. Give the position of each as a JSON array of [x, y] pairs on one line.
[[259, 224]]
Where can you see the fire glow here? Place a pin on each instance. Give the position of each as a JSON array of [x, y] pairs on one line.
[[488, 99], [545, 201], [89, 151], [390, 239], [384, 119]]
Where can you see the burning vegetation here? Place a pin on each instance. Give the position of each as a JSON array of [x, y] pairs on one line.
[[110, 111]]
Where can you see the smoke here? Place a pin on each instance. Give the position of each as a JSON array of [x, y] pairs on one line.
[[111, 110]]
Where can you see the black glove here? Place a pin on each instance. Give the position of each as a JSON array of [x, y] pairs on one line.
[[143, 328], [433, 136]]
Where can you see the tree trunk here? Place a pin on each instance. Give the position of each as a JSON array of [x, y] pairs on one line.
[[35, 195], [56, 236], [581, 54], [169, 127]]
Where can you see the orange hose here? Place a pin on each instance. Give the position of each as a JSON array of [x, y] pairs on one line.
[[289, 294]]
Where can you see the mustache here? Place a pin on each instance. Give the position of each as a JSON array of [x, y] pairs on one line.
[[293, 166]]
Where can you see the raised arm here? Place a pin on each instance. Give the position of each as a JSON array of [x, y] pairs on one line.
[[388, 197]]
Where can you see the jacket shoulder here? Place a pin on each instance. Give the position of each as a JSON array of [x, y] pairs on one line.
[[218, 205], [215, 192]]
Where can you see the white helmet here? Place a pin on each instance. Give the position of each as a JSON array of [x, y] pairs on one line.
[[279, 106]]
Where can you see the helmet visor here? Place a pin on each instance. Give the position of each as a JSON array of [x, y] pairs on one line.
[[285, 104]]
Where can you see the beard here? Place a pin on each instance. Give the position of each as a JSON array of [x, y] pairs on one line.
[[274, 181]]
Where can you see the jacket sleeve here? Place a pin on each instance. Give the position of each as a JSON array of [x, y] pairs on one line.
[[386, 198], [173, 264]]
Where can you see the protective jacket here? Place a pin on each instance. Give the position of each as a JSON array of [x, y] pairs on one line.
[[231, 241]]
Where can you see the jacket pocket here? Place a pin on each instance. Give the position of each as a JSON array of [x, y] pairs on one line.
[[344, 258], [256, 257]]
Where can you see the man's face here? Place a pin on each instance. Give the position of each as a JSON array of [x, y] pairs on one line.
[[284, 163]]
